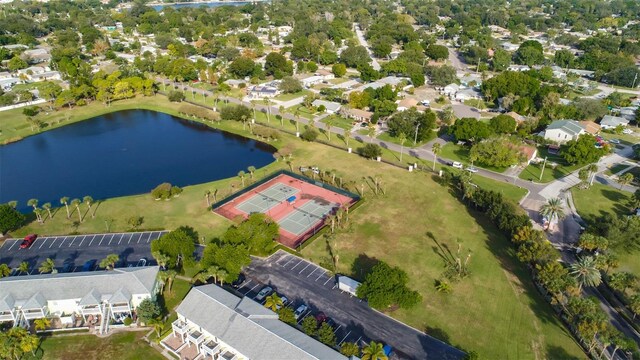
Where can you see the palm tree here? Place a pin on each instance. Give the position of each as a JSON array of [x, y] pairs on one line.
[[42, 324], [110, 261], [273, 302], [65, 201], [76, 203], [33, 203], [47, 206], [592, 169], [281, 113], [347, 137], [208, 273], [241, 176], [38, 213], [403, 138], [207, 193], [267, 103], [89, 201], [251, 170], [297, 115], [586, 272], [436, 148], [373, 351], [13, 203], [244, 121], [47, 266], [23, 267], [221, 274], [5, 270], [215, 101], [161, 258], [371, 131], [625, 180], [552, 209], [329, 123]]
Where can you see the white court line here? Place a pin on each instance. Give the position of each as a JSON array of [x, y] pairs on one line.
[[339, 326], [14, 242], [314, 270], [325, 283], [344, 338], [303, 269], [53, 242], [296, 265], [321, 275]]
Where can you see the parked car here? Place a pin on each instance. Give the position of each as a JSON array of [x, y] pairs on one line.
[[28, 240], [471, 169], [425, 102], [300, 310], [321, 317], [266, 291], [614, 141], [456, 165], [285, 301], [236, 284], [627, 131], [89, 265], [67, 267]]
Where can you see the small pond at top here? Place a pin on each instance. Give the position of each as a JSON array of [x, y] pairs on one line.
[[122, 153]]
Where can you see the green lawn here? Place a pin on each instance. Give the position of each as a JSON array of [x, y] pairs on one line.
[[303, 111], [123, 345], [562, 169], [339, 121], [390, 227], [480, 104], [460, 153], [408, 143], [287, 97], [616, 169]]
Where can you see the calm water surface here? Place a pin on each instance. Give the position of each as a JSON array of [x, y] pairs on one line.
[[122, 153]]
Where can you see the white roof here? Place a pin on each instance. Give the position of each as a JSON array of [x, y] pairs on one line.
[[329, 105], [248, 327]]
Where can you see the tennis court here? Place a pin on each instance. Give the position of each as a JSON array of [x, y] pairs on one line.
[[306, 216], [266, 199]]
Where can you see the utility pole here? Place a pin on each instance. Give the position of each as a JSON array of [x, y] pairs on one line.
[[543, 165]]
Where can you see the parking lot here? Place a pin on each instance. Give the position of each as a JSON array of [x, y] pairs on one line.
[[304, 282], [77, 249]]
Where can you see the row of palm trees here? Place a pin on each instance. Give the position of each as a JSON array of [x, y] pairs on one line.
[[47, 207]]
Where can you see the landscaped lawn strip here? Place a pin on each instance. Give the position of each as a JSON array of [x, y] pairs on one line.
[[124, 345]]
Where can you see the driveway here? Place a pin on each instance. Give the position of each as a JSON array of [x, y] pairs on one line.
[[77, 249], [374, 63], [302, 281]]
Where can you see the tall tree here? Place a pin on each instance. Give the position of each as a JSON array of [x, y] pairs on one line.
[[76, 203], [373, 351], [436, 148], [625, 179], [273, 302], [47, 266], [552, 210], [65, 201], [88, 200], [110, 261], [23, 267], [586, 272], [47, 207]]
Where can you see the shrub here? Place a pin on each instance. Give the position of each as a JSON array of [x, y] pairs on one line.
[[162, 191], [31, 111], [370, 151], [175, 190], [310, 134], [127, 321], [176, 96], [235, 112]]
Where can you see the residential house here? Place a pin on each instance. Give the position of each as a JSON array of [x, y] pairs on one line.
[[46, 76], [7, 84], [32, 70], [36, 56], [451, 90], [518, 68], [357, 114], [214, 323], [509, 46], [406, 104], [5, 75], [467, 94], [590, 127], [517, 117], [235, 83], [326, 74], [312, 80], [612, 122], [583, 73], [107, 295], [561, 131], [529, 153], [471, 80], [628, 113], [263, 91], [329, 106]]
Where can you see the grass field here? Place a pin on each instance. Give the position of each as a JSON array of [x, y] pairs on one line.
[[532, 172], [461, 153], [496, 311], [124, 345]]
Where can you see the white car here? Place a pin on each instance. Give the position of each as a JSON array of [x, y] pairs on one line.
[[614, 141], [266, 291], [456, 165], [425, 102], [300, 310], [285, 301], [472, 169], [627, 131]]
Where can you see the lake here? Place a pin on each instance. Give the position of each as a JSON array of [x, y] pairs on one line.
[[119, 154], [198, 4]]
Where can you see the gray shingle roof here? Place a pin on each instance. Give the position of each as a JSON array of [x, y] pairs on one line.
[[613, 121], [93, 297], [7, 303], [138, 280], [36, 301], [329, 105], [249, 328], [569, 126], [120, 296]]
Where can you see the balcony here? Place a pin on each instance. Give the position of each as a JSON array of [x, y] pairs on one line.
[[195, 337], [91, 310], [7, 316], [227, 355], [31, 314], [180, 327], [120, 308], [210, 348]]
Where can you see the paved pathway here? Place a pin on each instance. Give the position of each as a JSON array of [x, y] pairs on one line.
[[374, 63]]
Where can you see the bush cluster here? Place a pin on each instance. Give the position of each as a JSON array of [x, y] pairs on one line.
[[165, 191]]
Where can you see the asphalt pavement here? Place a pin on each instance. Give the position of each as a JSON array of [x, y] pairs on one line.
[[77, 249], [304, 282]]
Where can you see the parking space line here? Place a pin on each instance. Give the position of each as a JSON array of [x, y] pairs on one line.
[[250, 290], [81, 241], [290, 260], [357, 341], [93, 238], [104, 236], [334, 286], [325, 283], [244, 284], [284, 259], [296, 265], [339, 326], [15, 242], [42, 242], [304, 268], [72, 240], [314, 270], [141, 236], [64, 238], [53, 242], [344, 338], [324, 272], [305, 315]]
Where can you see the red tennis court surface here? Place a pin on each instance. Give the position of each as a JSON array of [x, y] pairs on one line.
[[298, 206]]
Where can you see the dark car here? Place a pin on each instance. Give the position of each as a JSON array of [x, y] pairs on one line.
[[67, 267], [28, 240], [236, 284], [89, 265], [321, 317]]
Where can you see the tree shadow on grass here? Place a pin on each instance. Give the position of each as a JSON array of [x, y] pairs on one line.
[[362, 265], [613, 195], [556, 352]]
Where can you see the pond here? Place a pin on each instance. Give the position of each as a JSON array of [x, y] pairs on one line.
[[119, 154]]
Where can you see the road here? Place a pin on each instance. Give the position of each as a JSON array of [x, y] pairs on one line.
[[374, 63]]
